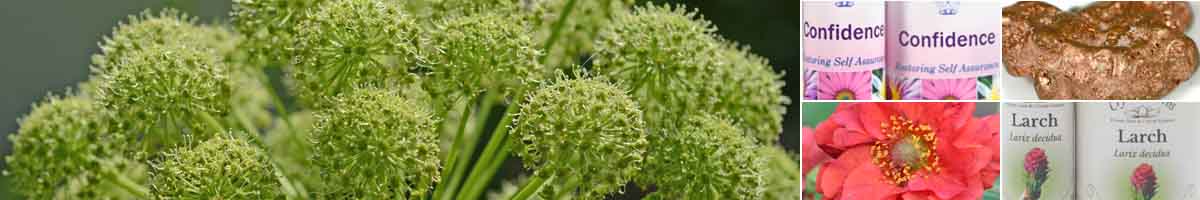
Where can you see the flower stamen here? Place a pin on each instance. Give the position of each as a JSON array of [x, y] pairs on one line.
[[907, 148]]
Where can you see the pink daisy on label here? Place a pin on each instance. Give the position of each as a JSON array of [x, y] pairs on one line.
[[948, 89], [844, 85], [902, 89]]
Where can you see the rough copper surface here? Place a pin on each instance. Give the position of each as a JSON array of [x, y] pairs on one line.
[[1109, 50]]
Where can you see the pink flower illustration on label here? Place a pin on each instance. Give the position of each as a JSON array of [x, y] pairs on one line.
[[1145, 182], [1036, 168], [948, 89], [844, 85]]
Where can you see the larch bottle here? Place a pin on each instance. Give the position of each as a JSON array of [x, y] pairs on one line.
[[1039, 150], [1137, 150]]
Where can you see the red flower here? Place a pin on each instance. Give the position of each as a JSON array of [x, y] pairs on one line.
[[1144, 181], [908, 151], [811, 154]]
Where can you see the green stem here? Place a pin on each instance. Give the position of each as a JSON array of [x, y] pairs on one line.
[[570, 186], [485, 112], [485, 168], [278, 101], [139, 191], [212, 122], [449, 179], [557, 28], [495, 152], [534, 186], [246, 123]]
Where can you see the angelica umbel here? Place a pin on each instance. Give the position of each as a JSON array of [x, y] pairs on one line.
[[425, 99]]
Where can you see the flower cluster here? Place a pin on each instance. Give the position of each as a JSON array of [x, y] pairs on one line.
[[401, 153], [73, 130], [677, 67], [224, 167], [604, 147], [176, 109], [907, 150]]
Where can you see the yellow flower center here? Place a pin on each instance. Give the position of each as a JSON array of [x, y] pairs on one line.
[[894, 92], [907, 148], [844, 94]]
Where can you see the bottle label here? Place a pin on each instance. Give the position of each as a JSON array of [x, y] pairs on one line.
[[843, 50], [943, 50], [1138, 149], [1039, 141]]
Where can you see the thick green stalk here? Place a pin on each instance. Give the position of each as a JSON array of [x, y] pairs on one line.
[[557, 28], [486, 167], [130, 186], [212, 122], [452, 156], [568, 188], [497, 146], [534, 186], [460, 169]]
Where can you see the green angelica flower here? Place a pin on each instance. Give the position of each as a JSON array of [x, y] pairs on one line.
[[167, 90], [163, 75], [270, 26], [782, 173], [676, 67], [149, 30], [374, 144], [707, 159], [224, 167], [62, 142], [345, 43], [480, 52], [584, 131]]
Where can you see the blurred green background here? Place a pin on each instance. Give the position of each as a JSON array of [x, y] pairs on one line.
[[46, 45]]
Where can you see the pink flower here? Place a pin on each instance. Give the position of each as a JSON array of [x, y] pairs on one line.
[[1144, 181], [844, 85], [948, 89], [1035, 160], [902, 89], [1036, 167], [908, 151]]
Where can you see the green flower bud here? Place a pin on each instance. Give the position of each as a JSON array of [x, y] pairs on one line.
[[375, 144], [707, 159], [480, 52], [582, 129], [224, 167], [677, 67], [345, 43], [782, 173], [61, 143]]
